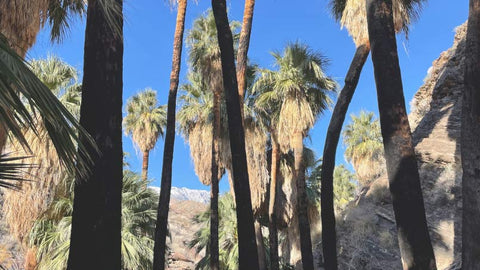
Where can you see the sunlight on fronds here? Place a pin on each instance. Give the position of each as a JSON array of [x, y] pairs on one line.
[[145, 120], [51, 233], [17, 80], [352, 14], [363, 139], [295, 94], [22, 208]]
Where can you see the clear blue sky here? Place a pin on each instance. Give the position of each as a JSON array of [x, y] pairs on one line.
[[149, 31]]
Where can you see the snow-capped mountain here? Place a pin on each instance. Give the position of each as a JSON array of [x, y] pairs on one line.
[[186, 194]]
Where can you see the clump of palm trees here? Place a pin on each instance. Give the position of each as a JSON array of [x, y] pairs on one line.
[[241, 120]]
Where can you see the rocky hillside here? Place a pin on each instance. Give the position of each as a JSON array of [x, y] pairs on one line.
[[182, 228], [186, 194], [367, 238]]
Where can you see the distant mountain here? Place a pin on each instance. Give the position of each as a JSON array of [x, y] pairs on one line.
[[186, 194]]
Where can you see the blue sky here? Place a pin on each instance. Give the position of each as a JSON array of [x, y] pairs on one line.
[[149, 31]]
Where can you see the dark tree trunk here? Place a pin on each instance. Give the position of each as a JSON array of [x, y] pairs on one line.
[[262, 259], [470, 143], [329, 239], [164, 201], [414, 240], [214, 249], [96, 222], [243, 45], [302, 204], [146, 154], [247, 249], [272, 217]]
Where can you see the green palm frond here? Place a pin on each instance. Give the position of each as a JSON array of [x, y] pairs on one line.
[[51, 233], [145, 120], [59, 16], [12, 170], [294, 94], [364, 146], [17, 80]]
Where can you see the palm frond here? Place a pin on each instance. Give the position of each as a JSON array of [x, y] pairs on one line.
[[16, 79], [12, 170]]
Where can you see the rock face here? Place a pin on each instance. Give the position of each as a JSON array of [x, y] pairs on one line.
[[367, 234]]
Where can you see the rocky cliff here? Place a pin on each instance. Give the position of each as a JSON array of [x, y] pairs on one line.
[[367, 235]]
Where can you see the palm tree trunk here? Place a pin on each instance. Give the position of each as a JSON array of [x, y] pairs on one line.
[[164, 201], [262, 259], [470, 143], [329, 241], [302, 204], [272, 218], [414, 240], [96, 220], [146, 155], [243, 46], [214, 248], [247, 249]]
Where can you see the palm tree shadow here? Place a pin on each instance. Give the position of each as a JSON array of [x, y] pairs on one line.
[[437, 143]]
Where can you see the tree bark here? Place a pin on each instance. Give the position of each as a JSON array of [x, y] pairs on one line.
[[243, 46], [146, 155], [247, 249], [166, 184], [302, 204], [329, 239], [272, 218], [96, 221], [262, 259], [413, 237], [470, 143], [214, 247]]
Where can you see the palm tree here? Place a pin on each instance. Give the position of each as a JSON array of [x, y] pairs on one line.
[[415, 246], [51, 232], [352, 15], [164, 203], [22, 20], [243, 46], [96, 218], [145, 121], [204, 56], [269, 111], [301, 87], [363, 139], [21, 209], [248, 257], [470, 142]]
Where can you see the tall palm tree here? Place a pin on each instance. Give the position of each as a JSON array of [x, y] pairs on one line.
[[243, 45], [269, 111], [470, 142], [352, 15], [51, 232], [248, 257], [301, 87], [413, 237], [96, 219], [164, 201], [363, 139], [204, 56], [145, 121], [22, 208]]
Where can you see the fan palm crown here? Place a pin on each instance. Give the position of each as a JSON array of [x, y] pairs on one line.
[[301, 87], [145, 119], [363, 139]]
